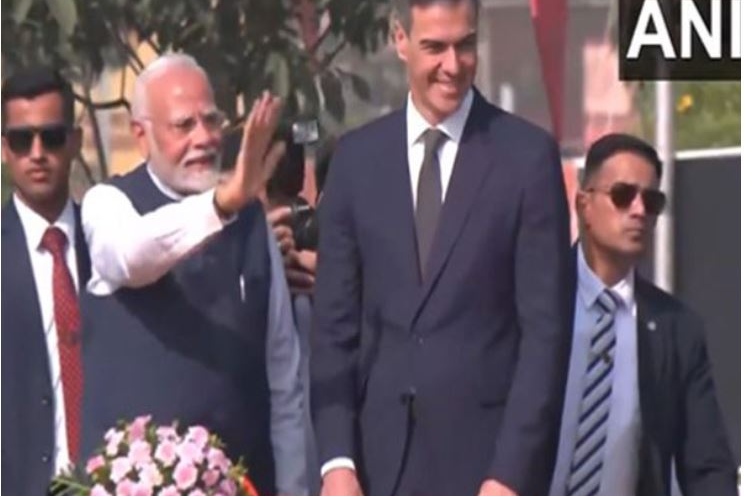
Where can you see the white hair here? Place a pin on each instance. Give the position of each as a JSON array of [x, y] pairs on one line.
[[157, 68]]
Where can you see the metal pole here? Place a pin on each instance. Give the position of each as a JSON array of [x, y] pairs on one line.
[[664, 240]]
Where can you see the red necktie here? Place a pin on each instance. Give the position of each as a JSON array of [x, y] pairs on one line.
[[67, 320]]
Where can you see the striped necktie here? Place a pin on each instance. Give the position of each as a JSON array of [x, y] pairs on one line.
[[586, 464]]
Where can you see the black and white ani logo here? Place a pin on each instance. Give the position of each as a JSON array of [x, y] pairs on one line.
[[680, 39]]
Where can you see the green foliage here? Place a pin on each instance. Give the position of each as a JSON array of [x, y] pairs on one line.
[[288, 46], [7, 186], [706, 114], [246, 45]]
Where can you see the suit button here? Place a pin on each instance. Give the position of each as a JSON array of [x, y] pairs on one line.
[[46, 401], [46, 458], [408, 396]]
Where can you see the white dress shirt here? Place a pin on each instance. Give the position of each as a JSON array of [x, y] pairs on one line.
[[620, 466], [34, 227], [416, 125], [133, 250], [453, 127]]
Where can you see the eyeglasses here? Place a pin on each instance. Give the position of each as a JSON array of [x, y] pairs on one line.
[[53, 137], [623, 194], [213, 121]]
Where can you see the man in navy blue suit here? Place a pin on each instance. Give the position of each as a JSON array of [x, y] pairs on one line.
[[640, 392], [442, 307], [44, 263]]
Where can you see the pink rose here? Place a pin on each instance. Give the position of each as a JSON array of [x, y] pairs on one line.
[[141, 489], [139, 453], [210, 477], [113, 443], [125, 488], [197, 492], [150, 475], [94, 464], [166, 453], [217, 459], [110, 433], [169, 491], [228, 487], [138, 428], [99, 490], [166, 433], [189, 452], [119, 469], [198, 435], [184, 475]]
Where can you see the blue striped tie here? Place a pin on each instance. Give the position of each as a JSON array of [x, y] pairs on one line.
[[586, 464]]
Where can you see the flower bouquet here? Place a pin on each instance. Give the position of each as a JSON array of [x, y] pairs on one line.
[[143, 459]]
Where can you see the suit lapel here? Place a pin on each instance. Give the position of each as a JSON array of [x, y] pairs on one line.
[[654, 348], [18, 273], [653, 332], [472, 165], [398, 196]]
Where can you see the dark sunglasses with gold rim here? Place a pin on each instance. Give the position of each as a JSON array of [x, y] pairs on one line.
[[623, 194], [20, 139]]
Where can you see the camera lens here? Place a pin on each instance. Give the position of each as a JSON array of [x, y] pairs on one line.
[[304, 224]]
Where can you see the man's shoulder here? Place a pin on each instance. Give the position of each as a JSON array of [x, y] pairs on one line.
[[665, 304], [390, 123], [120, 180], [8, 210], [515, 129], [9, 219]]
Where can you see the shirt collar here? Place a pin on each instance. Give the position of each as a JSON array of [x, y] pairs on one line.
[[453, 126], [590, 286], [164, 188], [34, 225]]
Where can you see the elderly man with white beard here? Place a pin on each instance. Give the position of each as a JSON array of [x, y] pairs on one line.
[[187, 316]]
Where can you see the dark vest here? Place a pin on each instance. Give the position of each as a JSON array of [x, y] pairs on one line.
[[188, 347]]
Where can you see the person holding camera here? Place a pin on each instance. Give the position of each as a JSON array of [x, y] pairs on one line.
[[290, 198]]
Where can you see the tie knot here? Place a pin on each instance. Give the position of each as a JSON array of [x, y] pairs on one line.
[[608, 301], [433, 138], [54, 240]]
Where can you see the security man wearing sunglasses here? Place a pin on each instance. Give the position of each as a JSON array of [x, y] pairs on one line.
[[640, 392], [44, 265]]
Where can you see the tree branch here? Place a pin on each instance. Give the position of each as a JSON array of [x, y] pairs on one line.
[[107, 105], [97, 134], [86, 168], [332, 55], [321, 38]]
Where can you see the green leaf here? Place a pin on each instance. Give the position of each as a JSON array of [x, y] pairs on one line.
[[20, 10], [65, 13], [278, 68]]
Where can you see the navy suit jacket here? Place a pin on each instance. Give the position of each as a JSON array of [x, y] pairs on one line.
[[679, 411], [27, 395], [680, 416], [473, 359]]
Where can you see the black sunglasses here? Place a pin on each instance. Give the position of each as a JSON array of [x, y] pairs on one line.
[[623, 194], [53, 137]]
